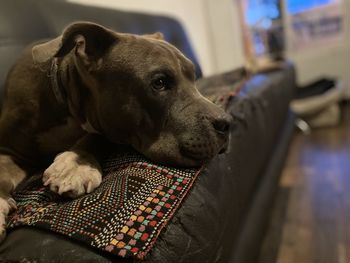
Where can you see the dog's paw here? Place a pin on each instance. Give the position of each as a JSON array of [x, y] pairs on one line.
[[6, 205], [73, 178]]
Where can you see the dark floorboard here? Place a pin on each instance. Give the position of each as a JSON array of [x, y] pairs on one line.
[[311, 217]]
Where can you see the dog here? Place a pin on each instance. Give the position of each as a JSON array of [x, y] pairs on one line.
[[68, 99]]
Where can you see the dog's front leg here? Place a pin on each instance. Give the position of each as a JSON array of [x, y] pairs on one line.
[[77, 171], [10, 176]]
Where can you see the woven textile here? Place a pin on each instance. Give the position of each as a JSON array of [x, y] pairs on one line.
[[123, 216]]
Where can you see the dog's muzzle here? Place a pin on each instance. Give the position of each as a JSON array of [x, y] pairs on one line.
[[210, 139]]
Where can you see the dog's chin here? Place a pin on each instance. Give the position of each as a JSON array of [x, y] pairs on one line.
[[202, 151], [168, 150], [196, 156], [186, 162], [175, 159], [171, 156]]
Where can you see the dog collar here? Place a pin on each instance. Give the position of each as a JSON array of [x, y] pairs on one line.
[[56, 84], [60, 94]]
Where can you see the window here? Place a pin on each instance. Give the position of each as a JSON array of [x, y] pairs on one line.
[[263, 30], [315, 23], [298, 6]]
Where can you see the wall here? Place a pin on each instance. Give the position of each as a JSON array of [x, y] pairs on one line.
[[226, 34], [212, 27], [330, 60]]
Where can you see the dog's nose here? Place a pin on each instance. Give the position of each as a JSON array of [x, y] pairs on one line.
[[222, 124]]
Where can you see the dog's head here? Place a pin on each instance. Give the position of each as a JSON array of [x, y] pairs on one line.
[[138, 90]]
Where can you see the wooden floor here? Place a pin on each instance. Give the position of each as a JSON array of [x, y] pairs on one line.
[[311, 217]]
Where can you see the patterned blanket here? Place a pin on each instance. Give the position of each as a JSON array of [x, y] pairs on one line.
[[123, 216]]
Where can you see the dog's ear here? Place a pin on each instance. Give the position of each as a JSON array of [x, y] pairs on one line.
[[45, 51], [88, 40], [157, 35]]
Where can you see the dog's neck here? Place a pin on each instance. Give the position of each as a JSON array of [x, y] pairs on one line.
[[63, 98], [56, 83]]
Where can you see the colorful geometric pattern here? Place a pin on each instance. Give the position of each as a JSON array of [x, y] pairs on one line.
[[123, 216]]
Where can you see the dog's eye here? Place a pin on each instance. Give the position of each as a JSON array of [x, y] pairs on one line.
[[160, 83]]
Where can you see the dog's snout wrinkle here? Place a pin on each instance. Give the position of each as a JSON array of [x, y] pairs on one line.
[[186, 106]]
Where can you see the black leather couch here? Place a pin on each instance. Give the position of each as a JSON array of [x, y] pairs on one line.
[[224, 217]]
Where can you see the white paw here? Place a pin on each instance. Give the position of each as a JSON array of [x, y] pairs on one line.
[[67, 176], [5, 207]]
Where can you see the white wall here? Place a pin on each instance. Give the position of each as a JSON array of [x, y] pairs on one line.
[[226, 35], [329, 60], [212, 26]]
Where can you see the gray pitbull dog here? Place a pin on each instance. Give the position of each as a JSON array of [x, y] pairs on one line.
[[67, 100]]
